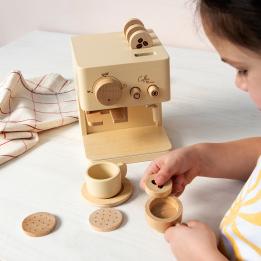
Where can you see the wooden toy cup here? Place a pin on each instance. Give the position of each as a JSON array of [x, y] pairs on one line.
[[104, 179], [162, 213]]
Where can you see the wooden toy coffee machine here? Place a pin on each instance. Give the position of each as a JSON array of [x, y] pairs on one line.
[[121, 80]]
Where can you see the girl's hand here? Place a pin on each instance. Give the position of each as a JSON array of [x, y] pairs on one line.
[[182, 165], [196, 241]]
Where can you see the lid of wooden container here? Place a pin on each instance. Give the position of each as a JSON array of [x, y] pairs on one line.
[[152, 189]]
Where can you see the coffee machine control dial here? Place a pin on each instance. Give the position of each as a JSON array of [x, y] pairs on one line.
[[153, 90], [108, 90], [135, 93]]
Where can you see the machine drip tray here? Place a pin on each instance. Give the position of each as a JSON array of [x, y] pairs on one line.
[[127, 145]]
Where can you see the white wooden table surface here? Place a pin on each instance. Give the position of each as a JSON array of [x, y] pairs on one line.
[[205, 106]]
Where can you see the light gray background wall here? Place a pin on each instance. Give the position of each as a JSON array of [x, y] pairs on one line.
[[173, 20]]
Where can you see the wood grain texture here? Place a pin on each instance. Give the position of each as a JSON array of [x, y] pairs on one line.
[[127, 145]]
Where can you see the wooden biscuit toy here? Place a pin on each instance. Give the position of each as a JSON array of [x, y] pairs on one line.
[[39, 224], [105, 219], [161, 210]]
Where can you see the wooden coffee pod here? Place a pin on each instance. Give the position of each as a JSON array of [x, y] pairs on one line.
[[132, 22], [154, 190], [39, 224], [132, 29], [140, 39], [106, 219]]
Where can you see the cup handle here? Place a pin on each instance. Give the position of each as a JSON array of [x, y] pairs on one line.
[[123, 169]]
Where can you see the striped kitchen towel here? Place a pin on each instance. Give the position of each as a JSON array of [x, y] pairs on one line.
[[30, 106]]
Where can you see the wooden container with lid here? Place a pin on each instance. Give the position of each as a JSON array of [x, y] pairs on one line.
[[161, 210]]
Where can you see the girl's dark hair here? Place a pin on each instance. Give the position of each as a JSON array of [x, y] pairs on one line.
[[239, 21]]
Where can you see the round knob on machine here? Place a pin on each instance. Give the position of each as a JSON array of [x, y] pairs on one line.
[[108, 90], [135, 93], [153, 90]]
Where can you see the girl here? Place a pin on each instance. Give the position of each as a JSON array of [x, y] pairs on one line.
[[234, 28]]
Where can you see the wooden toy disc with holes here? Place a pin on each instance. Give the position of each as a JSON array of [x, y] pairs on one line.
[[121, 197], [152, 189], [39, 224], [106, 219]]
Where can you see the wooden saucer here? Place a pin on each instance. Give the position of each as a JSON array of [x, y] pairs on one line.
[[122, 196]]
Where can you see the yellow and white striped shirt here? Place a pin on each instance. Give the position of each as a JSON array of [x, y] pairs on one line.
[[241, 226]]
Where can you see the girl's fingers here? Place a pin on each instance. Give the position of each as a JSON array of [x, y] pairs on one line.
[[169, 234], [194, 223], [180, 182], [153, 168], [163, 176], [168, 170], [178, 193], [142, 182], [189, 176], [178, 185], [172, 233]]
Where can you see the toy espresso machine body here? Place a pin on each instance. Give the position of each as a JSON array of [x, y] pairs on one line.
[[121, 80]]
